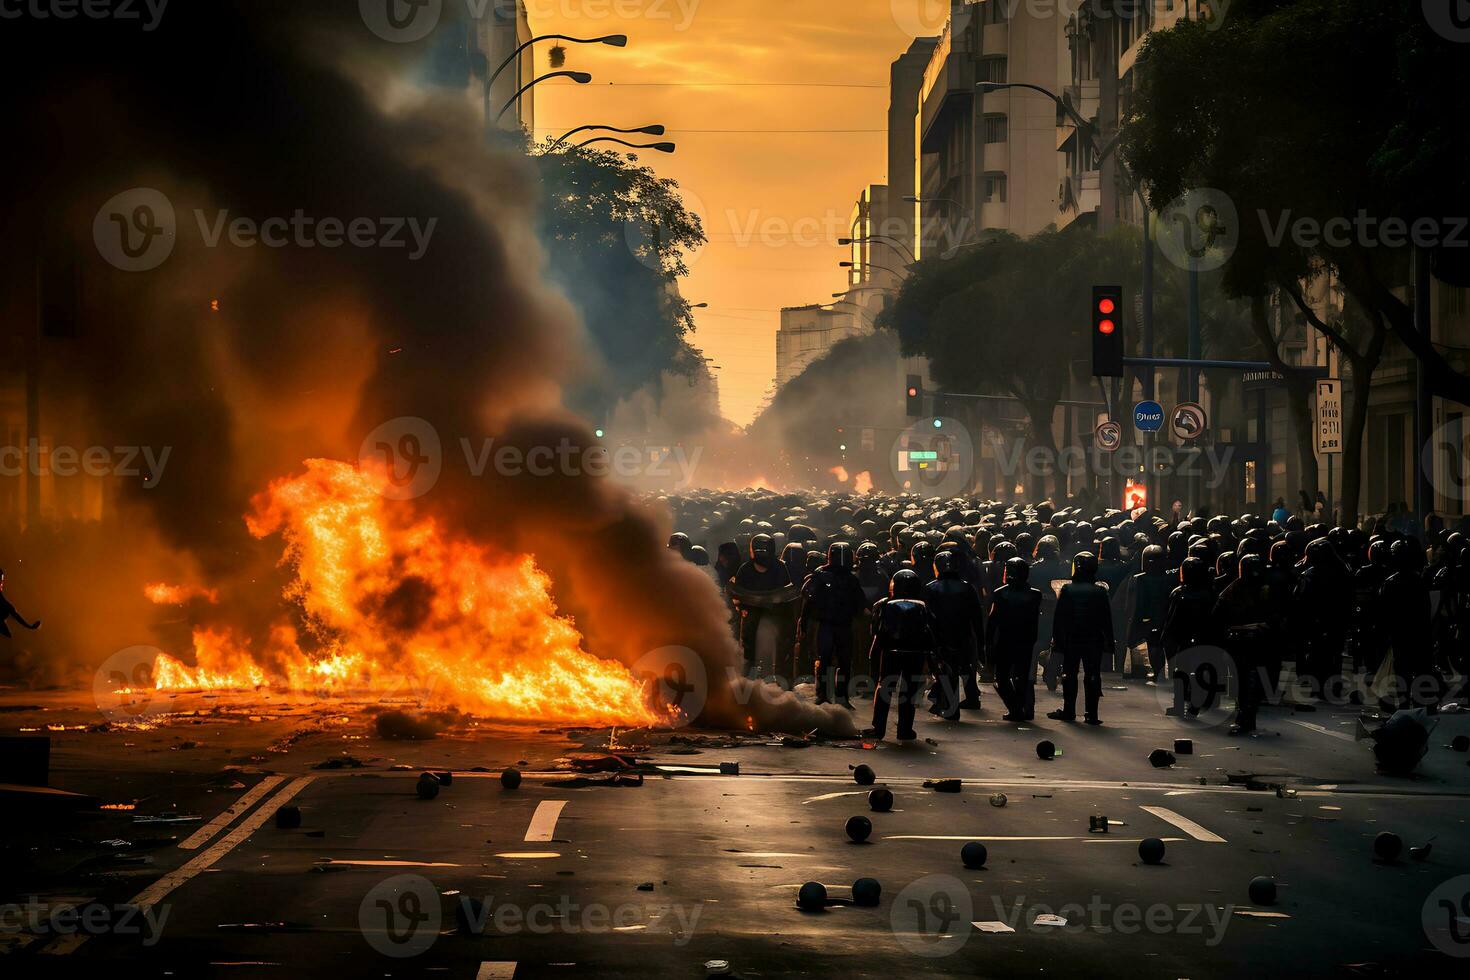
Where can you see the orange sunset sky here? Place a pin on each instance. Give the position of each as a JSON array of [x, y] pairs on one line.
[[779, 109]]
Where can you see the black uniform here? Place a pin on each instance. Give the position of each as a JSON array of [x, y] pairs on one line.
[[1150, 598], [751, 579], [831, 599], [959, 626], [1082, 633], [1243, 617], [1015, 613], [903, 641]]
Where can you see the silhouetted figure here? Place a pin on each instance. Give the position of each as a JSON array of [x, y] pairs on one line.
[[9, 612], [903, 642], [959, 626], [831, 599], [1082, 633], [1010, 636]]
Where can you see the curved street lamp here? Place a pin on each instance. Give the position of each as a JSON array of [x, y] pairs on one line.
[[660, 147], [646, 130], [872, 265], [580, 77], [889, 240], [612, 40]]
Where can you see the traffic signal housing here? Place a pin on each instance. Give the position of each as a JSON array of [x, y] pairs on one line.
[[914, 396], [1107, 331]]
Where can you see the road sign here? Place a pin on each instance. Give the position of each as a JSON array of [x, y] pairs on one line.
[[1108, 436], [1329, 417], [1189, 420], [1148, 416]]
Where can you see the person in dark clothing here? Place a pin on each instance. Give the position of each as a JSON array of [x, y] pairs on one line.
[[1243, 616], [1324, 599], [1046, 569], [831, 599], [1367, 638], [1405, 598], [921, 561], [1455, 601], [1010, 637], [903, 642], [995, 568], [9, 612], [1187, 625], [759, 588], [1081, 634], [959, 628], [1281, 578], [897, 553], [1149, 595], [1116, 575]]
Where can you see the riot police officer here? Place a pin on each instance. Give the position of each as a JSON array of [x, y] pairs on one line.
[[831, 598], [756, 590], [1015, 613], [1082, 632], [959, 626], [903, 642]]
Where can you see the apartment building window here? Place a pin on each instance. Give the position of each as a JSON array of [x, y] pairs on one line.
[[992, 69], [996, 130], [993, 188], [994, 12]]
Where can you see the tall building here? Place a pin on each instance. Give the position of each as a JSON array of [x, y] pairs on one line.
[[989, 160], [808, 332], [500, 27], [905, 81]]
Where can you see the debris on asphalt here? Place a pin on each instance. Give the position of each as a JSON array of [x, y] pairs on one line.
[[1046, 750], [288, 817], [510, 778], [647, 886], [863, 774], [716, 968], [1184, 746], [973, 855], [410, 726], [1388, 846], [1161, 758], [428, 786], [340, 762], [1050, 920], [445, 778], [812, 897], [880, 800], [943, 785], [998, 800], [1460, 743], [1151, 850], [859, 829], [1400, 742], [1097, 825], [167, 818], [866, 892], [469, 916], [583, 782], [1263, 890], [729, 769], [1422, 853]]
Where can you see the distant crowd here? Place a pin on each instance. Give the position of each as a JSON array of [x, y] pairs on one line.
[[913, 599]]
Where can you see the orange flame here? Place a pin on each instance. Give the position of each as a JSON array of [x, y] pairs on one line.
[[163, 594], [392, 601]]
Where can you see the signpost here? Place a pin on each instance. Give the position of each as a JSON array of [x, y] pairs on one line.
[[1329, 416], [1189, 421], [1148, 416], [1108, 436]]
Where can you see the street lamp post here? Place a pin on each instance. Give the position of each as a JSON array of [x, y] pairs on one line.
[[645, 130], [612, 40], [871, 265], [580, 77], [660, 147], [888, 240]]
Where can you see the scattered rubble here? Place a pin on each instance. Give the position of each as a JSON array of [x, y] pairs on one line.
[[1263, 890], [863, 774], [880, 800], [1151, 850], [866, 892], [859, 829], [973, 855], [510, 778], [1046, 750]]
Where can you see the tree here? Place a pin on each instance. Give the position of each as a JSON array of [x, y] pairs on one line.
[[1318, 121], [616, 234]]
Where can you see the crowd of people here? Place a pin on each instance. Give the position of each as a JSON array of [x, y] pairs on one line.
[[925, 599]]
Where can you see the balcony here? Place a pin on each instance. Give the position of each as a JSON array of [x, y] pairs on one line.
[[952, 90]]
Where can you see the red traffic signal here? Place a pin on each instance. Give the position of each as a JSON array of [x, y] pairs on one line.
[[914, 396], [1107, 336]]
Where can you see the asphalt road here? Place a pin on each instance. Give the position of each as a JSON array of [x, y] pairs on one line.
[[695, 866]]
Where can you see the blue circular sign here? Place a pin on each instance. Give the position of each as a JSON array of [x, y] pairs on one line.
[[1148, 416]]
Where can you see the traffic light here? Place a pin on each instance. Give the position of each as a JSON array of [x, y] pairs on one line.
[[914, 396], [1107, 331]]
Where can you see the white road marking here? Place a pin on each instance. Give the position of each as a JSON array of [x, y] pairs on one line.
[[1091, 838], [160, 889], [496, 971], [833, 796], [198, 838], [1185, 824], [1320, 730], [543, 821]]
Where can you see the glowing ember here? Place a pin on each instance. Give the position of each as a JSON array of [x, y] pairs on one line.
[[392, 602], [164, 594]]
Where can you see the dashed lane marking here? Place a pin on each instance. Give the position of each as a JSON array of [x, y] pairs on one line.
[[543, 821], [1185, 824]]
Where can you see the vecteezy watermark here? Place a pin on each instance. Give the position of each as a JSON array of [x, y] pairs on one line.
[[124, 462], [1446, 917], [1105, 918], [402, 916], [407, 21], [677, 679], [932, 917], [927, 18], [405, 458], [1199, 229], [1364, 230], [1446, 460], [146, 12], [934, 456], [37, 918], [1450, 19], [136, 231], [123, 687]]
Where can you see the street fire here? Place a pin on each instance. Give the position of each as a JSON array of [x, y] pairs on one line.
[[392, 603]]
